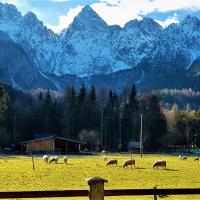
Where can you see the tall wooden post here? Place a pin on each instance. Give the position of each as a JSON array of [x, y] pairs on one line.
[[155, 195], [14, 129], [96, 185], [120, 132], [101, 129], [141, 137]]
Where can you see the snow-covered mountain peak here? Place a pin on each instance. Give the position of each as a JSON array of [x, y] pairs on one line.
[[30, 19], [88, 19], [190, 20], [9, 12], [131, 24], [146, 26]]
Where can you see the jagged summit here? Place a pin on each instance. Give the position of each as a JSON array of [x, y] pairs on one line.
[[88, 19], [146, 25], [190, 20], [131, 24], [9, 12], [30, 19]]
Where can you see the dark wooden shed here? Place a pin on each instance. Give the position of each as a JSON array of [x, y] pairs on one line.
[[52, 144]]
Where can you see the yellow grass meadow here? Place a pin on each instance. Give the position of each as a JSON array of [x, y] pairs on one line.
[[16, 174]]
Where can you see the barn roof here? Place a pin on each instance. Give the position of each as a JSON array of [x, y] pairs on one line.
[[54, 137]]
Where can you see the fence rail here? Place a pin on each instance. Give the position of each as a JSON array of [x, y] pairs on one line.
[[43, 194], [97, 192]]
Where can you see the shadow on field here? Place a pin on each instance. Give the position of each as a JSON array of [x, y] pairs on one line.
[[140, 168], [62, 164], [173, 170], [163, 196]]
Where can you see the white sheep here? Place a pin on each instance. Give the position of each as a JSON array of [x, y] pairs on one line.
[[103, 152], [45, 158], [112, 162], [196, 159], [159, 163], [184, 158], [53, 159], [104, 158], [65, 159], [180, 157], [128, 162]]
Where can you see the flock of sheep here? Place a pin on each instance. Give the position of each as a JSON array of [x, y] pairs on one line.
[[54, 159], [156, 164], [129, 162], [185, 158]]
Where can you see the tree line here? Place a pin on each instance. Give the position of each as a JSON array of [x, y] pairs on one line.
[[104, 119]]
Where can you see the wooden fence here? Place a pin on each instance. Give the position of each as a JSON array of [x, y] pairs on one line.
[[97, 192]]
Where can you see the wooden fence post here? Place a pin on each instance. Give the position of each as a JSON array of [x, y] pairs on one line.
[[154, 196], [96, 188]]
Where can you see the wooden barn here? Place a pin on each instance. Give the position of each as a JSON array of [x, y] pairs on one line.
[[52, 144]]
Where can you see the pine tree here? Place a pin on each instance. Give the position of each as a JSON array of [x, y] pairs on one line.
[[155, 124]]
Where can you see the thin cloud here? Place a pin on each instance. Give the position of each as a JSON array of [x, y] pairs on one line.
[[65, 20], [168, 21], [59, 0], [122, 11]]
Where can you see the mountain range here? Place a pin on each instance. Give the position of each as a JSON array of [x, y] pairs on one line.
[[142, 52]]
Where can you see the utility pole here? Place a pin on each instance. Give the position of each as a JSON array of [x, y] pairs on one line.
[[67, 127], [101, 127], [187, 136], [120, 132], [14, 129], [141, 137]]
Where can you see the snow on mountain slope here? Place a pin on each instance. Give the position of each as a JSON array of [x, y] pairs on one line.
[[40, 43], [93, 47], [179, 43], [135, 40], [89, 47]]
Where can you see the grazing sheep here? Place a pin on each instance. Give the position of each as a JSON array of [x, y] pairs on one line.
[[45, 158], [53, 159], [103, 152], [112, 162], [104, 158], [196, 159], [65, 159], [159, 163], [129, 162], [184, 158]]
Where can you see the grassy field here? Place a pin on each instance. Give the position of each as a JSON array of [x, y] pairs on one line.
[[16, 174]]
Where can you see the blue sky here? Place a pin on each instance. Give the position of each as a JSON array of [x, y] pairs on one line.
[[58, 14]]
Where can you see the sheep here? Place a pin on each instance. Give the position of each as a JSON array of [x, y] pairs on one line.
[[65, 159], [103, 152], [184, 158], [104, 158], [45, 158], [159, 163], [196, 159], [129, 162], [112, 162], [53, 159]]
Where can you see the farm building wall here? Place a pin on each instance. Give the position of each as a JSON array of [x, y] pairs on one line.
[[66, 146], [41, 146]]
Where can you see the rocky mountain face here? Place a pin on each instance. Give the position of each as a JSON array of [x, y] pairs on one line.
[[89, 50]]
